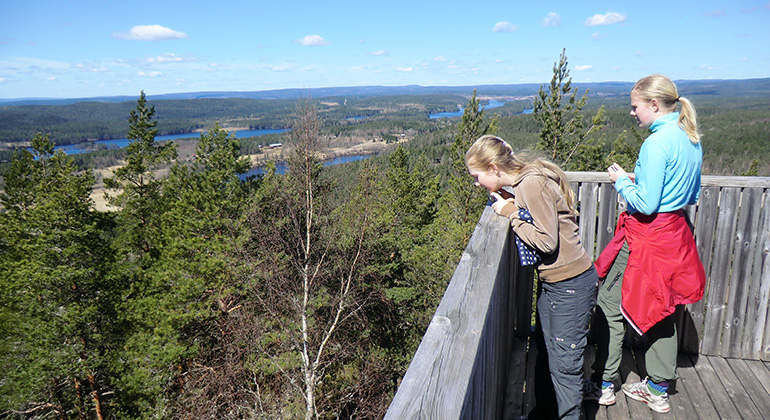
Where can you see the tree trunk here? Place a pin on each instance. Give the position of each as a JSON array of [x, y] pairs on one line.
[[96, 396]]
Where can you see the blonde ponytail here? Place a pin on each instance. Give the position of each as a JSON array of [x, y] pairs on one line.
[[688, 120]]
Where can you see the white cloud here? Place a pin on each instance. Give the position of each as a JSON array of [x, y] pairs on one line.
[[380, 52], [552, 19], [92, 67], [312, 41], [440, 59], [3, 79], [598, 36], [405, 69], [584, 67], [150, 74], [149, 33], [706, 67], [504, 27], [166, 58], [610, 18]]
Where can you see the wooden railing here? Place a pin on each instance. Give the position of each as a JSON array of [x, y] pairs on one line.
[[460, 368]]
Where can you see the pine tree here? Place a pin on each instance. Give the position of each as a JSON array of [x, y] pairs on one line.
[[151, 349], [57, 316], [564, 130], [136, 183]]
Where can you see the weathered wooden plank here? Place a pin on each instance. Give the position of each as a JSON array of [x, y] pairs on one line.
[[745, 236], [444, 375], [762, 372], [608, 216], [587, 219], [705, 181], [756, 392], [734, 388], [714, 388], [716, 299], [619, 410], [735, 181], [600, 414], [680, 399], [703, 408], [517, 374], [759, 332], [752, 278], [705, 223]]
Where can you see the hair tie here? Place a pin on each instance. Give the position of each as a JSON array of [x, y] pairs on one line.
[[678, 98]]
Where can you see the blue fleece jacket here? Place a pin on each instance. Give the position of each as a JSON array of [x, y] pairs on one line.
[[667, 172]]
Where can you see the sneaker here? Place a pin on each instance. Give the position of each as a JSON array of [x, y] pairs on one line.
[[640, 392], [592, 392], [608, 395]]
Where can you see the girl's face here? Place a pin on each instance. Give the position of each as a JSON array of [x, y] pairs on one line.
[[488, 179], [645, 112]]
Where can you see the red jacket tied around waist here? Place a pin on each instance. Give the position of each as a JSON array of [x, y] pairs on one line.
[[664, 269]]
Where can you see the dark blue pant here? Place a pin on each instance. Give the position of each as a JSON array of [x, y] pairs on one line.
[[564, 309]]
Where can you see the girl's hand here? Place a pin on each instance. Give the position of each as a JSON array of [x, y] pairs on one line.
[[503, 206], [616, 172]]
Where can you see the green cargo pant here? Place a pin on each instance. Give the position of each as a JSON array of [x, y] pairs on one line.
[[660, 341]]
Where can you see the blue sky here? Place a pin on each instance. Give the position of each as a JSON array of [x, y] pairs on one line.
[[80, 48]]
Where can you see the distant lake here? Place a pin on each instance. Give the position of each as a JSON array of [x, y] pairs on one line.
[[459, 113], [281, 167], [90, 146]]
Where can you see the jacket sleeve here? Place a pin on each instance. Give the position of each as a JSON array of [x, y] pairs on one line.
[[645, 195], [539, 199]]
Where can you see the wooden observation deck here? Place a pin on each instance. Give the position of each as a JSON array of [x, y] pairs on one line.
[[479, 356]]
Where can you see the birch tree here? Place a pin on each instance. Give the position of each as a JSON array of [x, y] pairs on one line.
[[317, 265]]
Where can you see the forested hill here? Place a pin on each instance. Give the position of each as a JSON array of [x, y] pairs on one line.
[[747, 87], [70, 121]]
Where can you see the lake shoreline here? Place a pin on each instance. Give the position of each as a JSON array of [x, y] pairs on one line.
[[368, 147]]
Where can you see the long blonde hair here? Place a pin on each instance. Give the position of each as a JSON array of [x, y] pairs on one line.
[[657, 86], [489, 149]]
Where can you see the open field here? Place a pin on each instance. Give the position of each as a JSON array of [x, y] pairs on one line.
[[364, 148]]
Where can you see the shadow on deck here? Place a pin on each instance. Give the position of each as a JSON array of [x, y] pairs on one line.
[[709, 387]]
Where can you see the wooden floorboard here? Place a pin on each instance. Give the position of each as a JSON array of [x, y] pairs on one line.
[[716, 391], [754, 389], [734, 388], [703, 407], [762, 372], [708, 387]]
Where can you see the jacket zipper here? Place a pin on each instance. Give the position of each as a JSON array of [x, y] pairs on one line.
[[615, 280]]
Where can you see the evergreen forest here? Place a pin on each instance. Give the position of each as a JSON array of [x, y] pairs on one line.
[[202, 293]]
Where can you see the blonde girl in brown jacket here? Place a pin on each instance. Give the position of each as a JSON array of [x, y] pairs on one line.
[[567, 287]]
